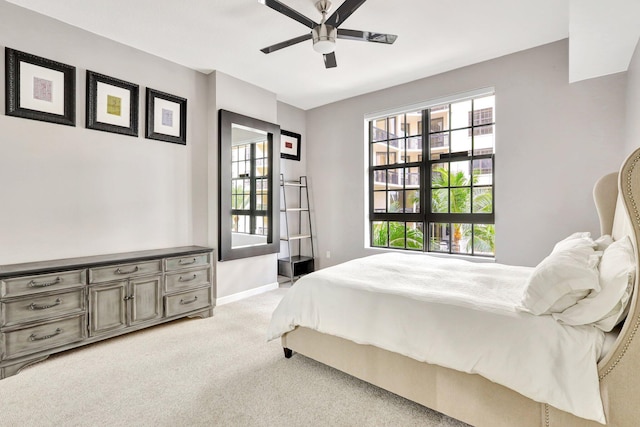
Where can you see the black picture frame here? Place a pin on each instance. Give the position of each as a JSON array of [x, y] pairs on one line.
[[107, 106], [43, 99], [175, 133], [290, 138]]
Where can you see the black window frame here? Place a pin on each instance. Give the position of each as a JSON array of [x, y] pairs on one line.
[[426, 217]]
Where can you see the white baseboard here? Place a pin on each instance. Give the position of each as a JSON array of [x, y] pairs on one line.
[[247, 294]]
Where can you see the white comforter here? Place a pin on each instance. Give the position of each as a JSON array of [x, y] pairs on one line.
[[453, 313]]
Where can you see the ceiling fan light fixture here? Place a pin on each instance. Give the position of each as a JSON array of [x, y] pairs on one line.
[[324, 38]]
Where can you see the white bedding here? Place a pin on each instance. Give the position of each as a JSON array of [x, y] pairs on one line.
[[468, 321]]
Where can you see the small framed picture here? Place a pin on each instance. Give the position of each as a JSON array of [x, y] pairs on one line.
[[112, 104], [166, 117], [39, 88], [290, 145]]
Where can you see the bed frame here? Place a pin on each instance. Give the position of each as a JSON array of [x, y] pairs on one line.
[[480, 402]]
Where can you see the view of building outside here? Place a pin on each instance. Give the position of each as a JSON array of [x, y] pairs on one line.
[[438, 196]]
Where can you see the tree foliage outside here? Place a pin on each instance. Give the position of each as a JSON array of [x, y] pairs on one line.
[[240, 199], [392, 234], [450, 191]]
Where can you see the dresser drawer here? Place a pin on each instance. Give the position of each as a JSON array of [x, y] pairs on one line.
[[43, 337], [25, 285], [179, 263], [124, 271], [37, 307], [187, 301], [187, 279]]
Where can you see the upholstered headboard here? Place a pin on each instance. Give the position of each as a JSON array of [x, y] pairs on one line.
[[622, 191], [614, 219], [605, 195]]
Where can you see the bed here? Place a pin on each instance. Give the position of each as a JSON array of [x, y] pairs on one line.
[[603, 366]]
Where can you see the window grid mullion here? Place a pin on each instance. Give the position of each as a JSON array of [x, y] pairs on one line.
[[471, 171]]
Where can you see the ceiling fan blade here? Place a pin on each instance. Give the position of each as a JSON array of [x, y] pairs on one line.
[[330, 60], [286, 10], [344, 11], [366, 36], [286, 43]]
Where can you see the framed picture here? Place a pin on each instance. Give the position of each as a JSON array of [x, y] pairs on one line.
[[166, 117], [39, 88], [290, 145], [112, 104]]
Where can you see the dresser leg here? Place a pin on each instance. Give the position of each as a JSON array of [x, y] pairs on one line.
[[203, 314], [10, 370], [287, 352]]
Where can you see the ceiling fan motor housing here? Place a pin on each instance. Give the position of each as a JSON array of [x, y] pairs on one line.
[[324, 38]]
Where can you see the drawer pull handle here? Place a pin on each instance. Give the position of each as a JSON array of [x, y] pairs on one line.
[[35, 284], [34, 306], [183, 262], [183, 302], [118, 271], [33, 337], [187, 280]]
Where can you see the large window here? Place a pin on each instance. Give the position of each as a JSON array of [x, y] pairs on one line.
[[432, 187]]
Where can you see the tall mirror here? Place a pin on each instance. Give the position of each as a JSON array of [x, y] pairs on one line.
[[248, 189]]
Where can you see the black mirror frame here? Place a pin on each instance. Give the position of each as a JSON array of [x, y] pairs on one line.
[[225, 250]]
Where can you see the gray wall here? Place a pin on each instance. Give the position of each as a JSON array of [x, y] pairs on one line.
[[633, 102], [243, 276], [293, 119], [71, 191], [229, 93], [553, 140]]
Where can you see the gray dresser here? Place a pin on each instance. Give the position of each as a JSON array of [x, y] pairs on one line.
[[51, 306]]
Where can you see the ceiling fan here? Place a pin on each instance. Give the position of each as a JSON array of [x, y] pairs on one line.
[[325, 33]]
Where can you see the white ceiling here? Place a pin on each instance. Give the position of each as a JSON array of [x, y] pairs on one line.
[[227, 35]]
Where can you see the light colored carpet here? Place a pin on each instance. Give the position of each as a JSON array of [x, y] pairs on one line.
[[200, 372]]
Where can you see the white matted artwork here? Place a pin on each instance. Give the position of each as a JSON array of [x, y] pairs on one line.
[[290, 145], [112, 104], [39, 88], [166, 117]]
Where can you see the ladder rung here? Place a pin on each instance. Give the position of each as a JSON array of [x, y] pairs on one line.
[[296, 237], [294, 210]]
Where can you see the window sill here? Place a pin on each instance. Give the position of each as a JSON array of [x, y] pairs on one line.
[[480, 259]]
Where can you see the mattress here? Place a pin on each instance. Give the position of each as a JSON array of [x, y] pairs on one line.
[[453, 313]]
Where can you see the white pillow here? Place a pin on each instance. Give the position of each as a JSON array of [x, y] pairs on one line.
[[562, 279], [605, 308], [575, 240], [603, 242]]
